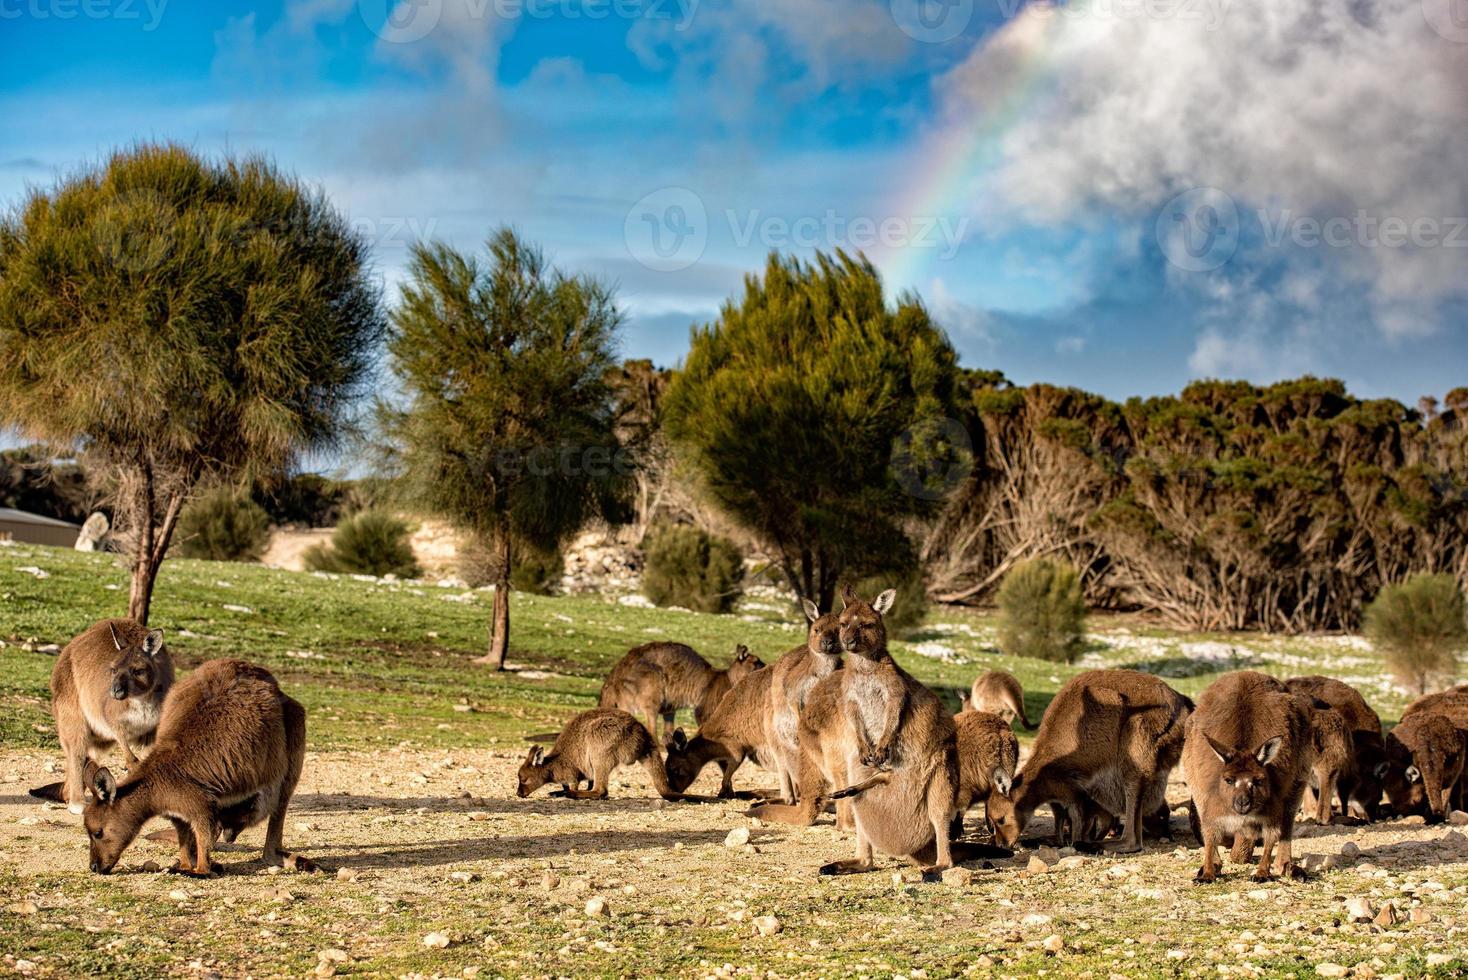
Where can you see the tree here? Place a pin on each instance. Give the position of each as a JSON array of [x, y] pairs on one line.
[[1041, 612], [793, 405], [1421, 625], [507, 429], [181, 319]]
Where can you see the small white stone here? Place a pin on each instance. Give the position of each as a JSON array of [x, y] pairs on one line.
[[597, 907], [436, 940], [767, 925], [738, 837]]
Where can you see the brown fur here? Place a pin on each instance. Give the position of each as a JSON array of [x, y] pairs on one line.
[[791, 679], [590, 747], [893, 739], [229, 752], [1359, 783], [1248, 756], [1452, 701], [1111, 737], [107, 688], [657, 679], [738, 729], [1426, 759], [998, 692], [1334, 761], [988, 759]]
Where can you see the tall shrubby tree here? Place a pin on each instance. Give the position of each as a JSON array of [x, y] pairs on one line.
[[181, 319], [1421, 625], [790, 407], [507, 429]]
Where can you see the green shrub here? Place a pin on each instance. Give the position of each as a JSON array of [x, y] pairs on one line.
[[686, 567], [911, 607], [223, 526], [369, 543], [1420, 626], [1041, 612]]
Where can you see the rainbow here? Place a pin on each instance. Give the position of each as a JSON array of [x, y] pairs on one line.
[[944, 177]]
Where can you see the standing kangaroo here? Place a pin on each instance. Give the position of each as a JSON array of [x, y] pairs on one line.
[[895, 742], [591, 746], [999, 693], [107, 688], [1247, 757], [656, 679], [1359, 783], [791, 679], [1110, 739], [229, 752]]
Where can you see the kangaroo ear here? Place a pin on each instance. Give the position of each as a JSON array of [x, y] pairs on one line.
[[812, 611], [104, 785], [965, 702], [1222, 751], [536, 756], [848, 595], [1269, 750], [1001, 781], [741, 653], [111, 628], [1413, 774], [153, 642], [1382, 768], [677, 741], [883, 603]]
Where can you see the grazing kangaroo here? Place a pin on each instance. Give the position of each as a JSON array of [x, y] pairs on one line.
[[1248, 755], [228, 754], [1359, 785], [1110, 738], [591, 746], [107, 688], [739, 728], [1454, 699], [895, 742], [998, 692], [791, 679], [1426, 752], [1334, 761], [656, 679], [988, 758]]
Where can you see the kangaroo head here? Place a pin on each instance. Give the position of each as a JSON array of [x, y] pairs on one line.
[[743, 664], [1245, 775], [534, 773], [108, 831], [1401, 777], [862, 630], [1007, 809], [681, 767], [824, 636], [134, 669]]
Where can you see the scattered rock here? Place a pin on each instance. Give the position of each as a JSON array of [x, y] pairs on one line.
[[958, 877], [767, 925], [597, 907], [1035, 919], [1420, 915], [1070, 862], [1037, 865], [333, 955], [1053, 944], [1177, 954], [1438, 959], [1415, 820], [463, 877], [1350, 850], [1387, 916], [1458, 818], [1330, 970], [347, 874], [1360, 910], [436, 940], [478, 815], [23, 908], [550, 882], [738, 837]]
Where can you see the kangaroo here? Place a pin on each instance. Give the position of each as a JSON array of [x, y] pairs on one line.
[[739, 728], [1334, 761], [1427, 758], [895, 742], [656, 679], [1248, 755], [1110, 738], [591, 746], [998, 692], [107, 688], [988, 758], [229, 752], [1453, 699], [1359, 784], [791, 679]]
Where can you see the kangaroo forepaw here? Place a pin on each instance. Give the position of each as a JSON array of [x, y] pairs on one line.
[[877, 758], [1205, 877], [1262, 876], [848, 867], [1297, 873]]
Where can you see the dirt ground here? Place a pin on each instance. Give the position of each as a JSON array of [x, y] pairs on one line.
[[434, 868]]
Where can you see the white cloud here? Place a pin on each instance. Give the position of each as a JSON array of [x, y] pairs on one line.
[[965, 323]]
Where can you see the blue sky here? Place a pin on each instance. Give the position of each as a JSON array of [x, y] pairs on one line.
[[1112, 195]]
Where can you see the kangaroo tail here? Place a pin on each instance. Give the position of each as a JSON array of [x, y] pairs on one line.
[[51, 791]]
